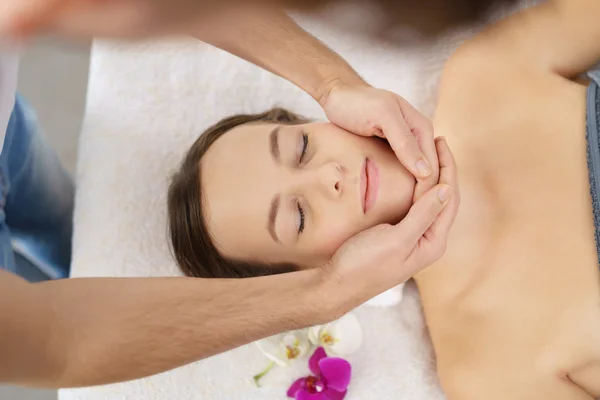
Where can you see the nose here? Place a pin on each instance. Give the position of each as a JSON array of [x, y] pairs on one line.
[[328, 179]]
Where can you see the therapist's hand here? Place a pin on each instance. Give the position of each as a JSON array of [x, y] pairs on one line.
[[367, 111], [274, 41], [387, 255], [105, 18]]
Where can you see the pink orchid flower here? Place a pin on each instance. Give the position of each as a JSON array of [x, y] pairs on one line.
[[330, 379]]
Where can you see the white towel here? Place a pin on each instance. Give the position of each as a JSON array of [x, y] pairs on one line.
[[146, 104]]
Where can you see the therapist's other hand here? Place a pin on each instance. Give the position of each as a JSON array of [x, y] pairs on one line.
[[106, 18], [385, 256], [368, 111]]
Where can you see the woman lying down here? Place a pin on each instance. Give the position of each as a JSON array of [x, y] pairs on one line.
[[513, 307]]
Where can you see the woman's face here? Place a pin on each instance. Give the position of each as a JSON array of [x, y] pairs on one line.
[[294, 194]]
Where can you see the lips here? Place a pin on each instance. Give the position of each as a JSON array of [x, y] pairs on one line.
[[369, 185]]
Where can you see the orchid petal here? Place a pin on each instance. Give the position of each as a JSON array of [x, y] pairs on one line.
[[285, 348], [296, 386], [347, 335], [271, 348], [304, 395], [336, 372], [314, 335], [295, 344], [313, 363], [331, 394]]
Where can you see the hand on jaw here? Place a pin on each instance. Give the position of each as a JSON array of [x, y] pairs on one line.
[[385, 256]]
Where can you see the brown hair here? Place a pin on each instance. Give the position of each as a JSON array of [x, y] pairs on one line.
[[430, 17], [191, 242]]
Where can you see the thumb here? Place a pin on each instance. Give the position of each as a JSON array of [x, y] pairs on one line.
[[423, 214]]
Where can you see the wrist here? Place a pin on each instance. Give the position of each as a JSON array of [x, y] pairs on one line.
[[331, 295], [334, 82]]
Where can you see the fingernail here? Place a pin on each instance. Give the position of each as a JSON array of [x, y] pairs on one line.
[[423, 168], [444, 193]]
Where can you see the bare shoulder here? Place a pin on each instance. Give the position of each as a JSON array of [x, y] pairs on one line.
[[480, 84], [474, 70]]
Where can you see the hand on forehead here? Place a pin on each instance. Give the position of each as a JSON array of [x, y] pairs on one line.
[[105, 18]]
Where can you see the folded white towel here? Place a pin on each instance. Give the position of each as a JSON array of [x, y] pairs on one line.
[[146, 104]]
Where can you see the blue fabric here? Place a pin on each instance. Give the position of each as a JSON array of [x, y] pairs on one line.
[[593, 149], [36, 202]]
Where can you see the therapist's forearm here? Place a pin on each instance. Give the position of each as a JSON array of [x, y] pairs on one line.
[[273, 41], [83, 332]]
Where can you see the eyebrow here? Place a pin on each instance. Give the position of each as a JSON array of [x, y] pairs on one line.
[[274, 141], [273, 216]]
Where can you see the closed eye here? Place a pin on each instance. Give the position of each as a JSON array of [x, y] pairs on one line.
[[301, 219], [304, 148]]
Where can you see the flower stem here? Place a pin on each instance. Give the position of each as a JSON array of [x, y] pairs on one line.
[[262, 374]]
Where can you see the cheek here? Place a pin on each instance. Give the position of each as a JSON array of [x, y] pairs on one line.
[[331, 237]]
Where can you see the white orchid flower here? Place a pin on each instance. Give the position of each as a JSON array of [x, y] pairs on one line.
[[342, 337], [285, 348]]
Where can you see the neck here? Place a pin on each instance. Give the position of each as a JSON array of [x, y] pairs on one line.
[[467, 242]]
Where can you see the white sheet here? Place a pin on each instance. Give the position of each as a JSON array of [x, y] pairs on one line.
[[146, 104]]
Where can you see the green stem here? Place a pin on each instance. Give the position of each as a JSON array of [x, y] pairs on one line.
[[264, 372]]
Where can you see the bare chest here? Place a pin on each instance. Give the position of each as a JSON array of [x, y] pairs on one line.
[[520, 283]]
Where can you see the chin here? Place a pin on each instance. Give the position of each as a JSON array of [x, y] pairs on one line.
[[396, 191], [396, 218], [394, 211]]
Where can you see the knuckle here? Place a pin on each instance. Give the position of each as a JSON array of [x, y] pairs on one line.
[[432, 180], [403, 144], [372, 125]]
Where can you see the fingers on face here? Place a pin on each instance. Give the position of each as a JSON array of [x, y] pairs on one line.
[[421, 216], [431, 246], [421, 128], [448, 176], [407, 149], [428, 147], [448, 168]]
